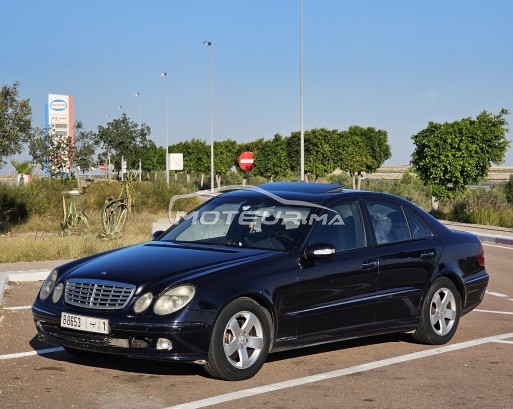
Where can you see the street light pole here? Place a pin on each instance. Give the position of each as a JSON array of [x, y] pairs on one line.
[[138, 95], [164, 74], [210, 45], [301, 97]]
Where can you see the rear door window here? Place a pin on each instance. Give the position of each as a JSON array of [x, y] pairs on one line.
[[388, 222], [418, 229]]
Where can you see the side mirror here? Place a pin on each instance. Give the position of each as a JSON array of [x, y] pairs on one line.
[[319, 250], [156, 234]]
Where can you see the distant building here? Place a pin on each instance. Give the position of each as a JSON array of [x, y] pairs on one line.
[[59, 122]]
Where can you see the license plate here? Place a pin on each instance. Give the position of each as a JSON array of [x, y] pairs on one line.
[[82, 323]]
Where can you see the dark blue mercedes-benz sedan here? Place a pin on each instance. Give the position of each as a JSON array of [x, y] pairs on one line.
[[264, 269]]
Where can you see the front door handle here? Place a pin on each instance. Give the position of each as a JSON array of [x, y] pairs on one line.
[[367, 265], [427, 254]]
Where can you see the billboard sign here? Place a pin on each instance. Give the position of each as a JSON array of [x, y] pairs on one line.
[[59, 122]]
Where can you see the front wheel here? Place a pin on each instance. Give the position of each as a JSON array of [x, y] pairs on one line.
[[440, 313], [240, 341]]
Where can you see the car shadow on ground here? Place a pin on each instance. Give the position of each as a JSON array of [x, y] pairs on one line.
[[335, 346], [149, 367], [120, 363]]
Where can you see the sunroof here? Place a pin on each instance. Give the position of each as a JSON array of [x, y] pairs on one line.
[[303, 187]]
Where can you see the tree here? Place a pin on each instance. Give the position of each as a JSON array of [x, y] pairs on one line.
[[39, 147], [449, 157], [360, 150], [83, 147], [225, 157], [24, 169], [252, 146], [15, 122], [271, 159], [153, 157], [49, 152], [123, 138], [196, 157], [318, 154]]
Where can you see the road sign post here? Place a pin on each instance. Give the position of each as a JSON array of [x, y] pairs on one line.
[[246, 162]]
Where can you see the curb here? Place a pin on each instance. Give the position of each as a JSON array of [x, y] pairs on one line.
[[29, 275], [490, 238], [486, 234]]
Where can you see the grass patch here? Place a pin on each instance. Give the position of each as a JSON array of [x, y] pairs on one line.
[[31, 215], [35, 241]]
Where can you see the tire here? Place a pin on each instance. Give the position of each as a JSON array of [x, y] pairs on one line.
[[440, 313], [240, 341]]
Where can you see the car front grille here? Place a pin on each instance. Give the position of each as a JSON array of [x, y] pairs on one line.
[[98, 294]]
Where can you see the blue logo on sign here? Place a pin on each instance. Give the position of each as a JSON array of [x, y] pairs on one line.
[[58, 105]]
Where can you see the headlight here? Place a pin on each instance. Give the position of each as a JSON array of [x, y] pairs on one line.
[[48, 285], [174, 299], [57, 292], [143, 303]]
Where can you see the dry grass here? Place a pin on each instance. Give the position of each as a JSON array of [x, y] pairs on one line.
[[35, 241]]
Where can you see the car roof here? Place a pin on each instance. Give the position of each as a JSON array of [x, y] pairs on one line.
[[301, 187], [310, 192]]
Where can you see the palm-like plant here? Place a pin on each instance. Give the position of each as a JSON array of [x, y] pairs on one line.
[[24, 168]]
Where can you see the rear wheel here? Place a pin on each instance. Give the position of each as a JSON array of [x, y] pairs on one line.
[[240, 341], [440, 313]]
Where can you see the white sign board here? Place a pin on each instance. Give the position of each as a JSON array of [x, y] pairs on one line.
[[176, 161]]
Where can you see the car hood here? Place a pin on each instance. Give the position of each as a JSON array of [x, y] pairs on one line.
[[152, 262]]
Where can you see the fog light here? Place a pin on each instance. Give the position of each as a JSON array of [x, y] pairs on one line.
[[163, 343], [118, 342], [138, 343]]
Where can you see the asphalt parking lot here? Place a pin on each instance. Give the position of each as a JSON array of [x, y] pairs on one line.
[[475, 370]]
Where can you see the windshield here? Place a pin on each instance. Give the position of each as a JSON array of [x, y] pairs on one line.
[[243, 222]]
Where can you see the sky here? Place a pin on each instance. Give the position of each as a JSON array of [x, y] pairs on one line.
[[394, 65]]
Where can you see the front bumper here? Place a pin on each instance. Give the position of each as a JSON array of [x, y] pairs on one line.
[[189, 341]]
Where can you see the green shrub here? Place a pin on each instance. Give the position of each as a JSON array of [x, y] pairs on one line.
[[258, 180], [341, 179], [480, 206], [506, 218], [232, 178], [41, 200], [42, 197], [508, 190], [95, 194], [408, 187], [458, 211], [438, 214], [12, 209]]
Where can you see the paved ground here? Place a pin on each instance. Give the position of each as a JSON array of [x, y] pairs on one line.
[[473, 371]]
